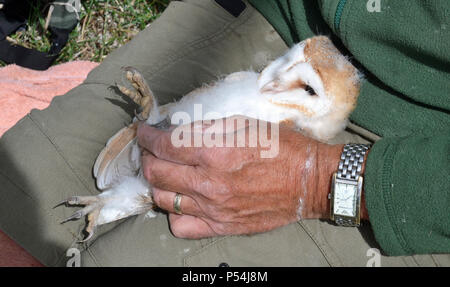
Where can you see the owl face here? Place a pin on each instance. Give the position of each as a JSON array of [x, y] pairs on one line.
[[312, 78]]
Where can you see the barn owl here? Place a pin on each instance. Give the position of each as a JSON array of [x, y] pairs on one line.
[[312, 86]]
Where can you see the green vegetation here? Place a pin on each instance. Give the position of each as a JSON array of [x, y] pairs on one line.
[[104, 25]]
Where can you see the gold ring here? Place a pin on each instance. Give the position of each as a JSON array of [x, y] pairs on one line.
[[177, 203]]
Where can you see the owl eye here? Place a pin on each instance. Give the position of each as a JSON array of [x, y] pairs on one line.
[[310, 90]]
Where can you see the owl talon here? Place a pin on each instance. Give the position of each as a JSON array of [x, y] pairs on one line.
[[90, 229], [93, 206], [90, 234], [77, 215], [139, 117], [77, 200], [141, 95]]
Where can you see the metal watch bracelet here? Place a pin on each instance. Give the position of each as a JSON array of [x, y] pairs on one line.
[[350, 167], [352, 158]]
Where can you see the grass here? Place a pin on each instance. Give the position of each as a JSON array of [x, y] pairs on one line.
[[104, 25]]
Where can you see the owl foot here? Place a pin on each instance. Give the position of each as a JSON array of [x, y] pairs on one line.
[[128, 199], [141, 95], [93, 206]]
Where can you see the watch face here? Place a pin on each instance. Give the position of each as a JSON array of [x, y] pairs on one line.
[[345, 199]]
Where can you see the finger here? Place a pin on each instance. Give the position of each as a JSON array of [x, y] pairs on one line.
[[170, 176], [165, 200], [235, 131], [160, 143], [187, 226], [222, 125]]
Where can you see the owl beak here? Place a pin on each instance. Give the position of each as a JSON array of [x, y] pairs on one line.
[[267, 88], [272, 87]]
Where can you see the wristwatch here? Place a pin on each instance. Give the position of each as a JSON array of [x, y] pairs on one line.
[[346, 186]]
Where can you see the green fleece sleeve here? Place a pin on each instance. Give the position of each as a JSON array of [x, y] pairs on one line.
[[407, 191], [403, 52]]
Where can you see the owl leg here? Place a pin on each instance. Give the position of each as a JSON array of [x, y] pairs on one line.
[[130, 197], [141, 95]]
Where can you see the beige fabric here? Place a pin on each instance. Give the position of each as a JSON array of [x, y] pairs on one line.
[[49, 155]]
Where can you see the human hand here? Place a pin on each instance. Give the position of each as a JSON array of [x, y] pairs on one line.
[[233, 190]]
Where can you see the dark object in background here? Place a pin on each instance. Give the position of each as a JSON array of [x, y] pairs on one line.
[[234, 7], [62, 18]]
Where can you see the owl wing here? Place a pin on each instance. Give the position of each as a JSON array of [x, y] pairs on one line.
[[118, 159]]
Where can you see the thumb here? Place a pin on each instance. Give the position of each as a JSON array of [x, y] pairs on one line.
[[187, 226]]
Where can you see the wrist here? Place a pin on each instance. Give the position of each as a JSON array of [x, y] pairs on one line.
[[328, 161], [314, 184]]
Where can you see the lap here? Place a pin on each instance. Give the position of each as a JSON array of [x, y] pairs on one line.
[[49, 154]]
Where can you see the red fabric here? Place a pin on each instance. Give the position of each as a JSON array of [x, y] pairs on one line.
[[12, 255], [21, 90]]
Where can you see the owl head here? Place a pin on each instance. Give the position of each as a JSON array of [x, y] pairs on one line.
[[313, 80]]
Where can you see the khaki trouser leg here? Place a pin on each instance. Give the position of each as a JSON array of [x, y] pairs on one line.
[[49, 154]]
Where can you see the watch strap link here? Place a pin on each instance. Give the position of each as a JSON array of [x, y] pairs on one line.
[[352, 158], [344, 221]]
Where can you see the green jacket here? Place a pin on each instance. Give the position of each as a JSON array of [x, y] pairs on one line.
[[404, 52]]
